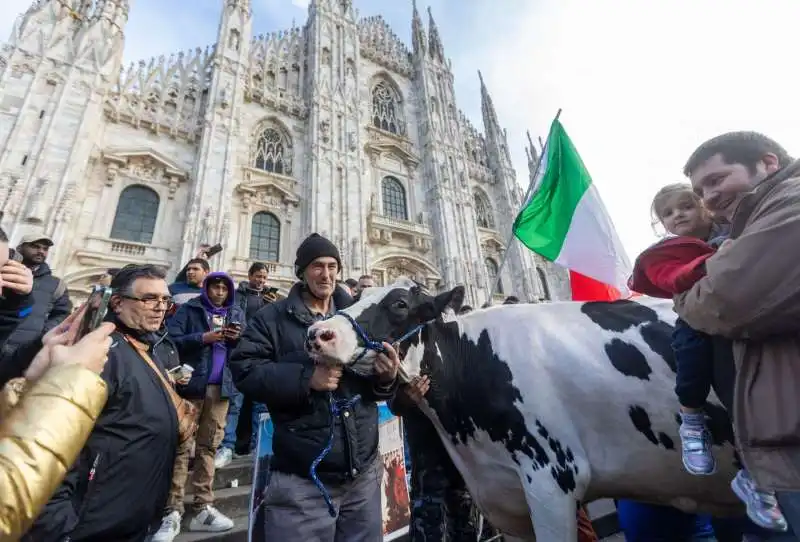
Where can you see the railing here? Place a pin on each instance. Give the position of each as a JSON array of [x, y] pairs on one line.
[[128, 249], [402, 226], [277, 271], [100, 250]]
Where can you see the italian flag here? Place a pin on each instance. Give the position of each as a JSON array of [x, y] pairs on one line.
[[565, 221]]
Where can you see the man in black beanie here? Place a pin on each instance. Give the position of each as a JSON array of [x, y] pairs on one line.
[[271, 365]]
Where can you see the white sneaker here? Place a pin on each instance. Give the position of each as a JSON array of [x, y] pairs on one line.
[[223, 458], [170, 528], [211, 520]]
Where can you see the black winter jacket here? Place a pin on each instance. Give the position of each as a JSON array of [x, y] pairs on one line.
[[271, 366], [14, 308], [249, 300], [46, 312], [118, 488]]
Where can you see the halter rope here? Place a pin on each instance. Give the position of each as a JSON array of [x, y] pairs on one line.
[[337, 407]]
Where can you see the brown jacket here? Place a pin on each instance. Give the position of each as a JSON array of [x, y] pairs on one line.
[[751, 294], [41, 439]]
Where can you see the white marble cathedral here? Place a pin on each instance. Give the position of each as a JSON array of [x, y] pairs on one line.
[[255, 142]]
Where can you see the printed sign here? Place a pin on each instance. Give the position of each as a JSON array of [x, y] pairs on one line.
[[394, 485]]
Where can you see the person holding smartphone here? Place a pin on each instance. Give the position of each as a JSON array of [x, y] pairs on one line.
[[205, 330], [45, 431], [16, 285], [252, 295]]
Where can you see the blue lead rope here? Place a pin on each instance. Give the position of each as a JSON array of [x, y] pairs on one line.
[[337, 407]]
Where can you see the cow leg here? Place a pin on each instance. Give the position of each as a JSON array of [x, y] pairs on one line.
[[553, 512]]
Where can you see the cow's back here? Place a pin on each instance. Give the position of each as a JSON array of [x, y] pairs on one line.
[[582, 393]]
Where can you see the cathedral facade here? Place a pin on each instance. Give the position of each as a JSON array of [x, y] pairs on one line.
[[255, 142]]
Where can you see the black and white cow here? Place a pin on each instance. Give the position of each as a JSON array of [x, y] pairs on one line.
[[542, 406]]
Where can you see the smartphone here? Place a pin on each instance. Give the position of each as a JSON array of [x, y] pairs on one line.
[[272, 290], [213, 251], [175, 370], [95, 311]]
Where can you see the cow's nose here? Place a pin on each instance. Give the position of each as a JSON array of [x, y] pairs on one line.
[[312, 334], [326, 335]]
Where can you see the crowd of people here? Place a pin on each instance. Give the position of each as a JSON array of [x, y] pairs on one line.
[[99, 431]]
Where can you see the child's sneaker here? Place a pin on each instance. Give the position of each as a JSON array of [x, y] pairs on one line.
[[762, 506], [696, 445]]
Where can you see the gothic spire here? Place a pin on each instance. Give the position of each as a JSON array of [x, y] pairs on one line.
[[435, 42], [417, 31], [490, 122], [244, 5]]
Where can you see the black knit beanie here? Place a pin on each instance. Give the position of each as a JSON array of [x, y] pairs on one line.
[[314, 246]]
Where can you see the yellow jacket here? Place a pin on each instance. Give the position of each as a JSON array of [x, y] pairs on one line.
[[41, 439]]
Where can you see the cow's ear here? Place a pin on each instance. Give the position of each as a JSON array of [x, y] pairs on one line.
[[453, 299]]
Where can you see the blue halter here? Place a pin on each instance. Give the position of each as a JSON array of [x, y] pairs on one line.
[[337, 407], [370, 344]]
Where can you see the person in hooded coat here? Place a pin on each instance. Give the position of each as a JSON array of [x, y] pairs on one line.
[[205, 330], [251, 296]]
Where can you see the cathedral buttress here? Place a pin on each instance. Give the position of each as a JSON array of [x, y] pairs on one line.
[[444, 167], [62, 59], [215, 175], [336, 188], [520, 265]]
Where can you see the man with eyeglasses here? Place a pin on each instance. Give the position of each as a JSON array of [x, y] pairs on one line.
[[118, 488]]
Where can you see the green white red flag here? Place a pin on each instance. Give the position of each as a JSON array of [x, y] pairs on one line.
[[566, 222]]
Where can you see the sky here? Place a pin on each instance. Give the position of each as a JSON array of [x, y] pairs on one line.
[[640, 84]]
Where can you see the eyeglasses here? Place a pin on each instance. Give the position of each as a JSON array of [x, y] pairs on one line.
[[153, 302]]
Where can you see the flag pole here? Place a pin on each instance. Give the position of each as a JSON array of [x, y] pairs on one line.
[[524, 202]]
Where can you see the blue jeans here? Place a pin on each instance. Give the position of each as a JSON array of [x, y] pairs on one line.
[[231, 421], [694, 362], [642, 522]]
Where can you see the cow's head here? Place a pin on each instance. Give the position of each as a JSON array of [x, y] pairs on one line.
[[390, 313]]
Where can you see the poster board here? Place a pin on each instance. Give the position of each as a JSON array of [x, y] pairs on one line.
[[394, 482]]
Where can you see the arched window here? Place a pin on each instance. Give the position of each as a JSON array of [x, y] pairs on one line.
[[483, 211], [543, 282], [265, 237], [394, 199], [491, 271], [273, 152], [386, 109], [135, 219]]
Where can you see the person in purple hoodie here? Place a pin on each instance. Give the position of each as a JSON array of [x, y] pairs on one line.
[[205, 329]]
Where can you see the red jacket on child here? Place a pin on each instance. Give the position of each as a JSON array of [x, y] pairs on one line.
[[670, 266]]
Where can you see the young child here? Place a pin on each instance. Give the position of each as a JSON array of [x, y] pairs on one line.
[[670, 267]]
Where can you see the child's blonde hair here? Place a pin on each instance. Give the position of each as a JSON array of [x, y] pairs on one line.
[[667, 192]]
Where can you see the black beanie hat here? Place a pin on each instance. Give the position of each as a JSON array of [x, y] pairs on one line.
[[314, 246]]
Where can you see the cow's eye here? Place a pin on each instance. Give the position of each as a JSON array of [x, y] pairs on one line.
[[400, 304]]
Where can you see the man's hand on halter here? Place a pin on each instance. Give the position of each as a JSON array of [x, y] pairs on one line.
[[417, 388], [387, 364]]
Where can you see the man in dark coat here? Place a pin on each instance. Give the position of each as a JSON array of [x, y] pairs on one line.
[[51, 304], [272, 366], [16, 283], [118, 487]]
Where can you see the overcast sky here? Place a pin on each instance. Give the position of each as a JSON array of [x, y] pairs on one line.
[[641, 83]]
